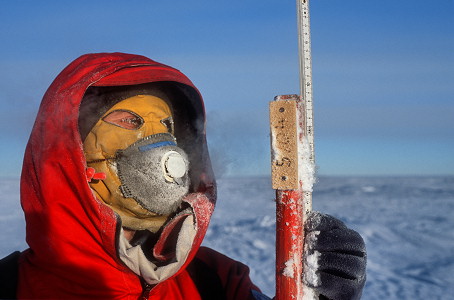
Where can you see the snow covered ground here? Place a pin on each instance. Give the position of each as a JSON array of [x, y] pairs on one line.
[[407, 223]]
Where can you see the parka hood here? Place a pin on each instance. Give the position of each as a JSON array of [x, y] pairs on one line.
[[73, 237]]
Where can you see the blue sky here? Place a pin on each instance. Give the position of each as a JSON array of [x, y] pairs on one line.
[[383, 73]]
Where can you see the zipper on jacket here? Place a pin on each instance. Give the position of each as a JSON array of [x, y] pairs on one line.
[[146, 291]]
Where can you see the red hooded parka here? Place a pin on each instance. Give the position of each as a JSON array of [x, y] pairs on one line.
[[73, 237]]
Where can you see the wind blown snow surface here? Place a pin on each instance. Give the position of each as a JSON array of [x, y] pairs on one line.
[[407, 223]]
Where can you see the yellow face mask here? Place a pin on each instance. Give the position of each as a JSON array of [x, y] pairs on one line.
[[122, 125]]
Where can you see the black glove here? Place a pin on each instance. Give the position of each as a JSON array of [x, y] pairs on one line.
[[335, 258]]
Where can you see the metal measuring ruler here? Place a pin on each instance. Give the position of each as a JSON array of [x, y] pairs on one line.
[[305, 70]]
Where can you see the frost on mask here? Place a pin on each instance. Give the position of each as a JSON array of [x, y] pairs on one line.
[[154, 172]]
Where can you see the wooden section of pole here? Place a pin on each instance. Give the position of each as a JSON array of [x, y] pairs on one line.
[[284, 142]]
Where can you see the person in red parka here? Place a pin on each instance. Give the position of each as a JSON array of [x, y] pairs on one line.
[[117, 190]]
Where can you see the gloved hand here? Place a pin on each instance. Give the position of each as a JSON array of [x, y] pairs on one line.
[[335, 258]]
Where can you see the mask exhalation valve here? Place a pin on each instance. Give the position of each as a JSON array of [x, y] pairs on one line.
[[174, 167]]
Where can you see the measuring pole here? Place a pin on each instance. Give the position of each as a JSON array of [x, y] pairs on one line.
[[305, 63], [292, 169]]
